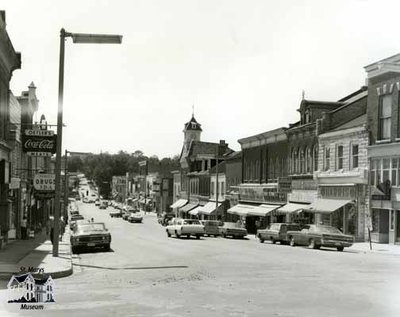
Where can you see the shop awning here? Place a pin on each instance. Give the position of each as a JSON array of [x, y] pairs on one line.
[[179, 203], [195, 211], [262, 210], [208, 208], [292, 207], [241, 210], [188, 207], [326, 205]]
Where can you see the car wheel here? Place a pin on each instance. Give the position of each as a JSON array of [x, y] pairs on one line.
[[223, 235], [168, 234], [292, 243], [107, 247], [188, 236], [312, 244], [177, 235], [340, 249], [272, 240], [74, 250], [261, 240], [197, 236]]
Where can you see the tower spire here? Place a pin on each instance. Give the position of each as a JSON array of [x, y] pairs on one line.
[[193, 111]]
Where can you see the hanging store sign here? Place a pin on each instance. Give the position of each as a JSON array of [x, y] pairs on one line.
[[39, 132], [39, 143], [44, 182], [142, 163], [14, 183], [44, 195]]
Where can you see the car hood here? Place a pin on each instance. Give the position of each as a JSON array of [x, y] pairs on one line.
[[91, 233]]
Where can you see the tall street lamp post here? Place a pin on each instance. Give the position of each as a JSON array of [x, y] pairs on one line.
[[78, 38]]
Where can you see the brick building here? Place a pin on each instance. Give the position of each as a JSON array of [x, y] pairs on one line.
[[383, 115], [342, 175], [10, 60], [264, 164]]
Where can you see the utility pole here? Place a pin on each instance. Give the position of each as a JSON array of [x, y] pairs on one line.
[[66, 187], [216, 190]]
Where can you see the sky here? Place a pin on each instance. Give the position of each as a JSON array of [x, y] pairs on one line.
[[243, 64]]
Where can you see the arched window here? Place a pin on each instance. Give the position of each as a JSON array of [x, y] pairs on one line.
[[294, 161], [309, 160], [301, 161], [315, 151]]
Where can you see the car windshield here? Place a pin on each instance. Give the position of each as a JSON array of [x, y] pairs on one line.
[[211, 223], [231, 225], [77, 217], [91, 227], [293, 228], [191, 222]]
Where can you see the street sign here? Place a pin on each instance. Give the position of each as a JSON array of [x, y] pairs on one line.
[[15, 183], [44, 182]]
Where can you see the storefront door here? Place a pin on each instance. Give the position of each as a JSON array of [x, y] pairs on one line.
[[397, 226]]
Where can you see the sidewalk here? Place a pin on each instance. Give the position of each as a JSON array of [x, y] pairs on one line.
[[36, 253], [382, 248]]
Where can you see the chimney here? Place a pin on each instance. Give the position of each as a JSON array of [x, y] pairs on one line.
[[222, 142]]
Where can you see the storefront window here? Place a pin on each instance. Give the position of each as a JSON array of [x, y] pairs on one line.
[[375, 220]]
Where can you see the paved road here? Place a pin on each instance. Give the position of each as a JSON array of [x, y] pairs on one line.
[[148, 274]]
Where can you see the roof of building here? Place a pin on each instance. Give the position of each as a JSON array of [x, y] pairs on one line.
[[356, 94], [221, 168], [22, 278], [233, 155], [359, 121], [200, 147], [41, 281], [263, 135], [193, 125]]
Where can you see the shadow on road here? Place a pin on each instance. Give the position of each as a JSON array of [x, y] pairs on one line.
[[133, 268]]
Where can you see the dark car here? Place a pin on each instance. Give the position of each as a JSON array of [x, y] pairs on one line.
[[233, 230], [211, 227], [277, 232], [316, 236], [116, 213], [90, 235], [165, 218]]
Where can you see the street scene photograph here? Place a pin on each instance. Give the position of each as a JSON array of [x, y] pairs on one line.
[[227, 158]]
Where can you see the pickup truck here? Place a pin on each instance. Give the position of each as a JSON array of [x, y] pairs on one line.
[[277, 232]]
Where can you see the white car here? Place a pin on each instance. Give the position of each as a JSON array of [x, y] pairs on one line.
[[185, 227]]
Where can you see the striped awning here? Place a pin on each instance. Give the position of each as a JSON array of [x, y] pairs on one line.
[[241, 209], [327, 206], [292, 207], [195, 211], [188, 207], [262, 210], [179, 203], [208, 208]]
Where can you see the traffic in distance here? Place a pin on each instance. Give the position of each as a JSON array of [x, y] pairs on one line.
[[87, 234]]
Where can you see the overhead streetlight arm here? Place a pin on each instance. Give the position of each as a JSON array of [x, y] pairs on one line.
[[87, 38]]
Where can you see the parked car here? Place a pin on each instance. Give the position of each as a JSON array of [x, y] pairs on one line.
[[185, 227], [97, 203], [277, 232], [73, 219], [90, 235], [125, 214], [233, 230], [115, 213], [85, 200], [316, 236], [211, 227], [135, 216]]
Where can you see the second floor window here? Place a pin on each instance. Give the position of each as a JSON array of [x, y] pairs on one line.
[[385, 114], [354, 153], [327, 158], [340, 157]]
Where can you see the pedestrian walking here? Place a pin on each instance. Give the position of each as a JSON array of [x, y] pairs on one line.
[[24, 224], [62, 228], [258, 225]]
